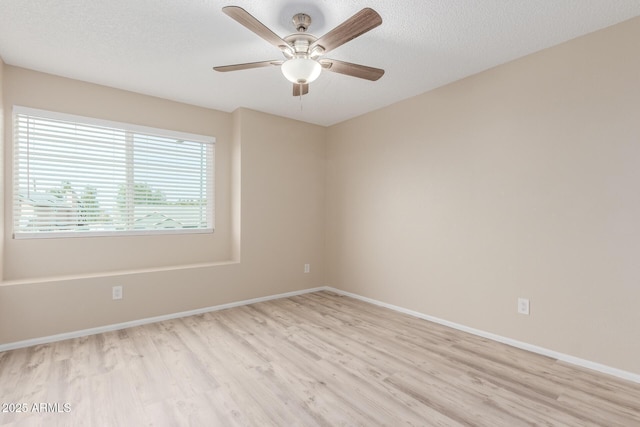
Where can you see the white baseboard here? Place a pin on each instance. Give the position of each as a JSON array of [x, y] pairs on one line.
[[626, 375], [130, 324], [630, 376]]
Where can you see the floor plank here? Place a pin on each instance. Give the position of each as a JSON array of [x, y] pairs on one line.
[[317, 359]]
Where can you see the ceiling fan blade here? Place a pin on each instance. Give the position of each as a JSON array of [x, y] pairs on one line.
[[298, 87], [350, 69], [358, 24], [245, 18], [247, 66]]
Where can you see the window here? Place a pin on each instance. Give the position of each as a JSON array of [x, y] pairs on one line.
[[77, 176]]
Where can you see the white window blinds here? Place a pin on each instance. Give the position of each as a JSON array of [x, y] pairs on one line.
[[76, 176]]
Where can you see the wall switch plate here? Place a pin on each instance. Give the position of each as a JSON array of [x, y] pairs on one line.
[[523, 306], [307, 268], [116, 292]]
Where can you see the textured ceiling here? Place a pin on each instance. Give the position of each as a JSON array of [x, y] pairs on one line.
[[167, 48]]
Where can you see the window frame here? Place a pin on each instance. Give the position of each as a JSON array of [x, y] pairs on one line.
[[128, 128]]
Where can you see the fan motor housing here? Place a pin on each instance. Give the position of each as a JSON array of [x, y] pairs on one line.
[[300, 42]]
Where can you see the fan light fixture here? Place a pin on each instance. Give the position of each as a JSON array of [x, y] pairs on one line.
[[301, 70]]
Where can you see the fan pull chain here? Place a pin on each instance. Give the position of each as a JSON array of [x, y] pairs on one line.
[[300, 96]]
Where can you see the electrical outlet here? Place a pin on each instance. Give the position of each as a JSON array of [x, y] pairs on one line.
[[116, 292], [307, 268], [523, 306]]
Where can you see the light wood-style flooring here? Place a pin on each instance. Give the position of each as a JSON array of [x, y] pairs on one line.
[[312, 360]]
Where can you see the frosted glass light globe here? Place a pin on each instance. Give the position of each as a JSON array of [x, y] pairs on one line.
[[301, 70]]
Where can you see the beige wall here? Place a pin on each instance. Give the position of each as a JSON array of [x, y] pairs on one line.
[[64, 285], [522, 181], [1, 168]]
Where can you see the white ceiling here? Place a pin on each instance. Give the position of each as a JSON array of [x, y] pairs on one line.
[[167, 48]]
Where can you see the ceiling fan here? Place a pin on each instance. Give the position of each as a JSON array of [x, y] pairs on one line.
[[303, 52]]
